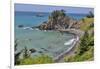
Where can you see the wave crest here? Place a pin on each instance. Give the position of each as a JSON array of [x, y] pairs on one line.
[[69, 42]]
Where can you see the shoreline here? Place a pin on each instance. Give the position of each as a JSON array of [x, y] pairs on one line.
[[72, 50], [77, 34], [68, 51]]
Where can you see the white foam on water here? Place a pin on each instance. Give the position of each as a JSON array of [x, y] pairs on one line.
[[28, 28], [45, 30], [69, 42], [36, 29]]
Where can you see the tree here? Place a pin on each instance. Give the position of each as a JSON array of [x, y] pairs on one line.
[[17, 54], [90, 15], [55, 14], [84, 43], [26, 53]]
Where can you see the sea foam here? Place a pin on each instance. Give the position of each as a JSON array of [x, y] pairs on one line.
[[69, 42], [28, 28]]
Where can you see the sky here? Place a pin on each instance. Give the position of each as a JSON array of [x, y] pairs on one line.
[[48, 8]]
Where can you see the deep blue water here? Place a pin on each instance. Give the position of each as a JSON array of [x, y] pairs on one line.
[[30, 18]]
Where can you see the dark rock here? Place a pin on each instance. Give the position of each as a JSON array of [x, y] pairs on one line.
[[20, 26], [57, 20], [40, 15], [44, 49], [32, 50], [40, 51]]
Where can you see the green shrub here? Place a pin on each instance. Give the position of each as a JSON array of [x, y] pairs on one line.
[[85, 51], [37, 60]]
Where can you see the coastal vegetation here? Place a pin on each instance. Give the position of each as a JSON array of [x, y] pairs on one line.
[[57, 20], [27, 59], [84, 49], [85, 46], [42, 59]]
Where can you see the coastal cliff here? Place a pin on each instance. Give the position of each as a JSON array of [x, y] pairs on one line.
[[82, 48], [58, 20], [83, 28]]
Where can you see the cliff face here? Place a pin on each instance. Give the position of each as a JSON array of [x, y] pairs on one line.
[[60, 23], [51, 24], [58, 20]]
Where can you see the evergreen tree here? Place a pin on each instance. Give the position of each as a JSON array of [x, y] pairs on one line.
[[26, 53], [84, 43]]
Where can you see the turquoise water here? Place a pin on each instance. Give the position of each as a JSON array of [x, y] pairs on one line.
[[48, 42]]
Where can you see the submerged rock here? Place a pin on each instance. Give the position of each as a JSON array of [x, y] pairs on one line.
[[40, 15], [20, 26], [44, 49], [40, 52], [32, 50]]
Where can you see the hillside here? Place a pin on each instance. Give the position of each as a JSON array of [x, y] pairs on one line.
[[85, 49]]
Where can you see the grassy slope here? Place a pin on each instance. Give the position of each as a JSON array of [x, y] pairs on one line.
[[89, 54], [42, 59], [86, 56], [86, 23]]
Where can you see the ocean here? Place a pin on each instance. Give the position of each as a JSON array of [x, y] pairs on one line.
[[51, 43]]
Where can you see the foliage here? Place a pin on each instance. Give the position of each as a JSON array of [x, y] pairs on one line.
[[85, 50], [84, 44], [86, 56], [15, 45], [57, 19], [16, 55], [55, 14], [90, 15], [27, 59], [26, 53], [43, 59], [37, 60], [86, 23]]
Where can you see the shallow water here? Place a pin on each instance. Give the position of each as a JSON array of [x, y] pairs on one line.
[[51, 43]]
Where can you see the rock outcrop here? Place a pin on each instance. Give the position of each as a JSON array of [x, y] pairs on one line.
[[58, 20]]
